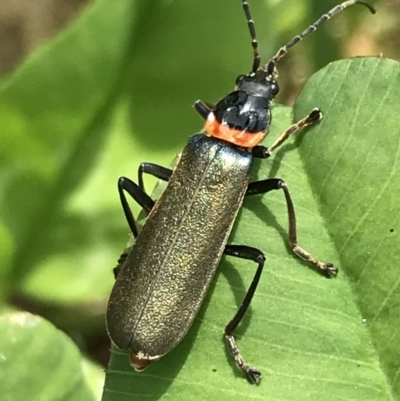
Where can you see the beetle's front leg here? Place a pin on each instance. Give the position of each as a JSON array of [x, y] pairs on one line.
[[263, 152]]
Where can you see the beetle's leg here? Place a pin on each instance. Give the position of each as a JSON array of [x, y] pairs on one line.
[[271, 184], [203, 108], [125, 184], [144, 200], [313, 117], [155, 170], [244, 252], [264, 152], [261, 152]]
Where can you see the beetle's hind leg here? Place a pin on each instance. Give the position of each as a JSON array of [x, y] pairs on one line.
[[249, 253], [270, 184]]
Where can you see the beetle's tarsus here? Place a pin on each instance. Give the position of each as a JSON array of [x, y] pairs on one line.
[[253, 375], [314, 116], [329, 270]]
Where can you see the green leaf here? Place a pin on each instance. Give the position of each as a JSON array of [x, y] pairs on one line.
[[307, 334], [39, 362], [352, 160]]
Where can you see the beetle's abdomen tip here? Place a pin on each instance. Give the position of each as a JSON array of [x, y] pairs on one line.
[[139, 362]]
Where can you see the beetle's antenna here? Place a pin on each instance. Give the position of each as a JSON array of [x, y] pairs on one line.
[[283, 50], [254, 41]]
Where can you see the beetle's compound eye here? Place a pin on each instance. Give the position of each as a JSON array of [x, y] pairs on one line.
[[274, 89], [240, 79]]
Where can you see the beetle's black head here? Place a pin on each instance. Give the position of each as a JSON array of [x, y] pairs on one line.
[[261, 83]]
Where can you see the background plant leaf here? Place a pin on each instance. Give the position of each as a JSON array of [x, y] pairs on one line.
[[39, 362], [54, 120], [353, 166]]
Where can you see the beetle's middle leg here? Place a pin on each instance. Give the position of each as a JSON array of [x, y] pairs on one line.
[[270, 184], [160, 172], [244, 252], [139, 195]]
